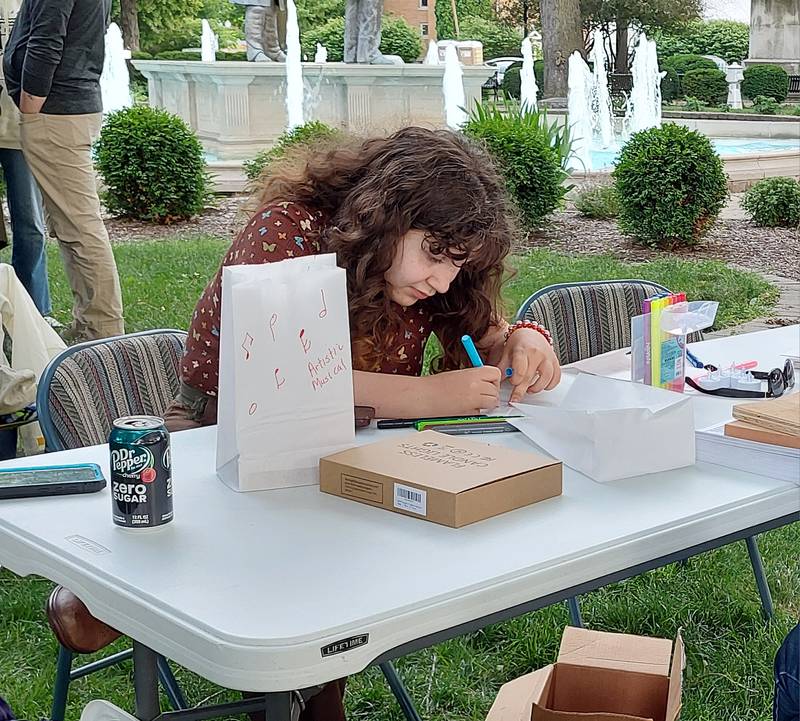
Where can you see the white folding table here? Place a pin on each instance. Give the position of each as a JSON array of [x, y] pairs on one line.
[[248, 589]]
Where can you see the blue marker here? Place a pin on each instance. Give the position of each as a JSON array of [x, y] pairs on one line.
[[509, 372], [472, 351], [694, 360]]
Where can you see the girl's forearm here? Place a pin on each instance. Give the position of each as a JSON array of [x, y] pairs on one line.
[[394, 396]]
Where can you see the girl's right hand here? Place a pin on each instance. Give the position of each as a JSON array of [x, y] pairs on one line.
[[465, 391]]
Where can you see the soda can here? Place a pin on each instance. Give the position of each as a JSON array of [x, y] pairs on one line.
[[141, 472]]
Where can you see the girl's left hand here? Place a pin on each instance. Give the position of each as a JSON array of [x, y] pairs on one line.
[[533, 361]]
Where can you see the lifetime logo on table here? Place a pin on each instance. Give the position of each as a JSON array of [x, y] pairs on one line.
[[346, 644]]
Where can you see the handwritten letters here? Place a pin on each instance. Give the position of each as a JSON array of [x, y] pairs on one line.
[[286, 386]]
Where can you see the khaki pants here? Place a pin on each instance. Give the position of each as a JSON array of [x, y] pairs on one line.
[[58, 149]]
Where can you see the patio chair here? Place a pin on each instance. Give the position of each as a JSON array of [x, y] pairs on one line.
[[587, 319], [80, 394]]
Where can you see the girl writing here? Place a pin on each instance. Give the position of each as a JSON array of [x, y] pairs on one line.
[[420, 222]]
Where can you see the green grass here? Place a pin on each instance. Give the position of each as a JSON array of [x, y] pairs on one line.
[[161, 280], [784, 109], [713, 599]]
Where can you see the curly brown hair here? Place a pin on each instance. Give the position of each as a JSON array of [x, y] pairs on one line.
[[371, 193]]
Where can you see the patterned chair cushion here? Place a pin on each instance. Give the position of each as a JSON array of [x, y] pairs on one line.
[[94, 385], [587, 319]]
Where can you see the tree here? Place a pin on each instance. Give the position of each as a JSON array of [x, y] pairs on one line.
[[624, 14], [315, 13], [129, 21], [445, 27], [139, 19], [562, 34], [498, 40], [518, 14]]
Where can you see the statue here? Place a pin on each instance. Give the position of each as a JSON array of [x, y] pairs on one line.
[[261, 30], [362, 32]]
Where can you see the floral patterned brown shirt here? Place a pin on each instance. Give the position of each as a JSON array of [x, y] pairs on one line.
[[276, 232]]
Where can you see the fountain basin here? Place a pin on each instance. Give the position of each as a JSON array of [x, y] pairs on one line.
[[238, 108]]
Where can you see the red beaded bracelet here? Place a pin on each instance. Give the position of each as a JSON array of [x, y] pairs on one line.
[[533, 326]]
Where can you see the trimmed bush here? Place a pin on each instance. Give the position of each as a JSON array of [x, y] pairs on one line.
[[179, 55], [769, 80], [707, 85], [531, 154], [774, 201], [152, 166], [498, 40], [684, 63], [233, 56], [670, 186], [140, 55], [670, 85], [306, 134], [512, 82], [331, 35], [726, 38], [397, 38], [598, 201]]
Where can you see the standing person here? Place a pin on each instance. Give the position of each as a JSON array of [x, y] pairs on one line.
[[52, 64], [28, 255], [786, 704], [5, 711]]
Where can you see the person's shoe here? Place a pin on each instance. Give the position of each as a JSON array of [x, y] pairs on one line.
[[73, 625], [71, 334], [54, 323]]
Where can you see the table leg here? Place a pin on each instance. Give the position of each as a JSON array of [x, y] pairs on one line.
[[279, 706], [145, 682]]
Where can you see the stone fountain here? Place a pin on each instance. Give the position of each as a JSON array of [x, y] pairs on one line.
[[239, 108]]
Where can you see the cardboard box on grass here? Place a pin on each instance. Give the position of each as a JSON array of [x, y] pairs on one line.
[[599, 676], [441, 478]]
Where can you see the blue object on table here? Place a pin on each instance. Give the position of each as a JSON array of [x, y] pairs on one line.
[[694, 360]]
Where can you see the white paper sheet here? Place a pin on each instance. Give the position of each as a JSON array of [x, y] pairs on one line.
[[608, 428]]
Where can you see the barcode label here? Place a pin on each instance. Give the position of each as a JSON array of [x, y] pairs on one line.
[[410, 499]]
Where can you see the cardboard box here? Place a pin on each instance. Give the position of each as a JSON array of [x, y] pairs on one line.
[[599, 677], [444, 479], [470, 52]]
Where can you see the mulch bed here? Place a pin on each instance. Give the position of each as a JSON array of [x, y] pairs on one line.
[[773, 251]]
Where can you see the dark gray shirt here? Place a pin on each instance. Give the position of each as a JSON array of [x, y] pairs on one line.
[[56, 49]]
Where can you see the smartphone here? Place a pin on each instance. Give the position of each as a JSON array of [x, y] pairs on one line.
[[51, 480]]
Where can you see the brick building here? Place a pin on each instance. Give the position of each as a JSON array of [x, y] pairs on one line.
[[418, 14]]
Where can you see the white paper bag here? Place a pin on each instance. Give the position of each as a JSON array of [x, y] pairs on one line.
[[285, 372], [609, 429]]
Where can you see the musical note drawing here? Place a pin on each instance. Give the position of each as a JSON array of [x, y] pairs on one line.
[[324, 310], [272, 321], [279, 381], [247, 344], [306, 343], [252, 409]]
